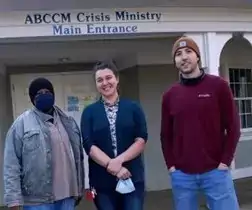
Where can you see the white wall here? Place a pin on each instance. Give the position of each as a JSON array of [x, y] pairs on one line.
[[153, 81], [6, 118], [10, 5], [129, 84], [3, 122], [1, 132]]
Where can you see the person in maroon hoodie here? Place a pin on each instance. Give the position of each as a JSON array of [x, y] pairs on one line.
[[200, 129]]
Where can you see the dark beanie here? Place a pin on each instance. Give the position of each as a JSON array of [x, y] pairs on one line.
[[38, 84]]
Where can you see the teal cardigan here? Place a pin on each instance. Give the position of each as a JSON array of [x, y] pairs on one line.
[[130, 124]]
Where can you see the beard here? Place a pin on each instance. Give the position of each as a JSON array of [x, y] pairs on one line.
[[187, 71], [187, 68]]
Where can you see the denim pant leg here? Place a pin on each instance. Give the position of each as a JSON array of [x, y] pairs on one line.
[[106, 200], [219, 189], [65, 204], [49, 206], [134, 200], [185, 190]]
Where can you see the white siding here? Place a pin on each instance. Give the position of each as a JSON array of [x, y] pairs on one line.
[[153, 81]]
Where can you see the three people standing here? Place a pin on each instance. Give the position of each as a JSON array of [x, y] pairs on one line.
[[200, 129]]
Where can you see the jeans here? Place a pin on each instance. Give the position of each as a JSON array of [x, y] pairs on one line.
[[65, 204], [112, 200], [217, 185]]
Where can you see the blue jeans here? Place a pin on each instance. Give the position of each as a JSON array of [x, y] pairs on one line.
[[112, 200], [66, 204], [217, 185]]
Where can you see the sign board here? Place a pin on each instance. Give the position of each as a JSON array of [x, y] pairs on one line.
[[122, 21], [69, 23]]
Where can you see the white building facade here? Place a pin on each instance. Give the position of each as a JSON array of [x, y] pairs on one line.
[[62, 45]]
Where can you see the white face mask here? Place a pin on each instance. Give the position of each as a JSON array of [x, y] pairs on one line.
[[125, 186]]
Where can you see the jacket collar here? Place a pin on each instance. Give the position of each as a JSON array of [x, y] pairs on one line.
[[192, 81], [46, 117]]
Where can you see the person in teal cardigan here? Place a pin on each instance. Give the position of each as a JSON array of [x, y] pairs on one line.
[[114, 133]]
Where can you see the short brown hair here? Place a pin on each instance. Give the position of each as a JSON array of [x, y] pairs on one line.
[[101, 65]]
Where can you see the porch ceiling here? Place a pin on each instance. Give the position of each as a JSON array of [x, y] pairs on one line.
[[126, 52], [10, 5]]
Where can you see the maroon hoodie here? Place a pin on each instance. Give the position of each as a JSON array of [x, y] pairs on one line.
[[200, 125]]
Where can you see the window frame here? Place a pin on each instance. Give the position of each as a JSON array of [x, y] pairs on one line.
[[245, 131]]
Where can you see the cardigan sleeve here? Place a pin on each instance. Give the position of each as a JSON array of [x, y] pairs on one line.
[[140, 122], [86, 121]]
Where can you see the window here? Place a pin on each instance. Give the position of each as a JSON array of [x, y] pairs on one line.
[[241, 85]]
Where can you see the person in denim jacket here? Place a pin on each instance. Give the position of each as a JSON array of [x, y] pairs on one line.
[[43, 156]]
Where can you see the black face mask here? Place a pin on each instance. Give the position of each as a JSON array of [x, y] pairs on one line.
[[44, 102]]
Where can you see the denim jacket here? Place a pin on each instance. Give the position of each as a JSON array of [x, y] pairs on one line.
[[28, 159]]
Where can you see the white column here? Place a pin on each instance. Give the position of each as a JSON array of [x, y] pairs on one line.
[[3, 108], [213, 45], [248, 36]]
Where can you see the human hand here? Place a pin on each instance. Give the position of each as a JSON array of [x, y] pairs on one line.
[[90, 194], [172, 169], [114, 166], [223, 166], [123, 173]]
